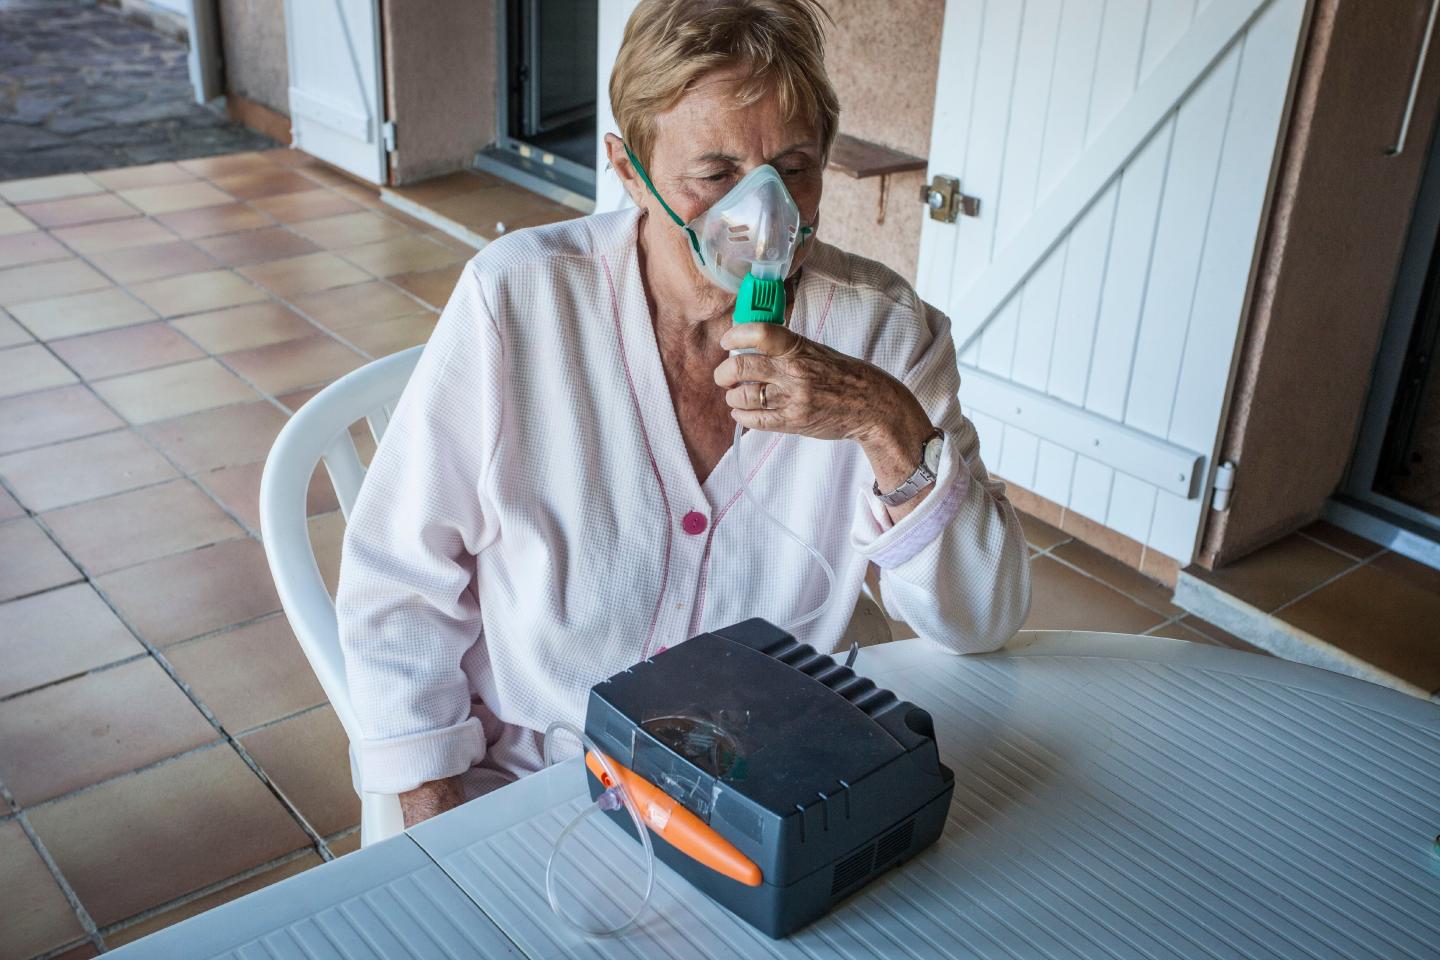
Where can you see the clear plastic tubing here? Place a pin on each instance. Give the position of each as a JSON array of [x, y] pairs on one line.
[[755, 502], [611, 799]]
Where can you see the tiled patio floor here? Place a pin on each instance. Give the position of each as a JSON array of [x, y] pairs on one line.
[[163, 744]]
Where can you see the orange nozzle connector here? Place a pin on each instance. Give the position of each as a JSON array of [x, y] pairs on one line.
[[680, 828]]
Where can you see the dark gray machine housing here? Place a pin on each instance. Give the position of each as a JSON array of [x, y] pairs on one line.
[[820, 777]]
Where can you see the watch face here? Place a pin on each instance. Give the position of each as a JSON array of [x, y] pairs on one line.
[[932, 453]]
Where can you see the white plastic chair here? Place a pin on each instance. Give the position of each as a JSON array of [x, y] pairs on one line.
[[320, 430]]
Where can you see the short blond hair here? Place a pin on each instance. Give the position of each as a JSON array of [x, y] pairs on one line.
[[669, 44]]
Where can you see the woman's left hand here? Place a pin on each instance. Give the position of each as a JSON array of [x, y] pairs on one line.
[[795, 385]]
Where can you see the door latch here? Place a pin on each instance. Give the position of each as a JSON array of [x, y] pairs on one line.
[[942, 195]]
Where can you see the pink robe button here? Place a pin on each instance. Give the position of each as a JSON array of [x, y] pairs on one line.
[[693, 523]]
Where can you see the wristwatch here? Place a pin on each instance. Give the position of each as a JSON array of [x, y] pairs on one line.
[[923, 476]]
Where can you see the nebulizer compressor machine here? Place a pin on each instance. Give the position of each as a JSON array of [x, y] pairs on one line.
[[771, 777]]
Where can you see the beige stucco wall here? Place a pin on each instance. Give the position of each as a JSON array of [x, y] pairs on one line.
[[252, 33], [883, 56], [440, 73]]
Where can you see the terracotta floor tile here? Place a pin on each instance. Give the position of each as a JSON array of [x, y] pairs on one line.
[[281, 367], [263, 183], [49, 188], [1384, 620], [350, 229], [141, 841], [240, 328], [1039, 534], [306, 205], [391, 336], [296, 275], [58, 634], [324, 175], [1127, 580], [80, 732], [218, 438], [174, 197], [492, 213], [74, 211], [114, 235], [1343, 540], [1425, 577], [437, 189], [38, 918], [130, 528], [173, 391], [228, 165], [365, 195], [31, 367], [10, 508], [64, 473], [432, 286], [193, 908], [1063, 599], [256, 246], [12, 221], [249, 676], [148, 175], [30, 562], [46, 280], [80, 313], [136, 264], [405, 254], [349, 843], [454, 243], [212, 221], [238, 488], [327, 532], [127, 350], [195, 292], [50, 416], [11, 333], [1276, 574], [82, 951], [35, 246], [308, 758], [346, 307], [185, 595]]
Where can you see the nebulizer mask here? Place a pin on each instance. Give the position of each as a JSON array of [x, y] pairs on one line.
[[745, 243]]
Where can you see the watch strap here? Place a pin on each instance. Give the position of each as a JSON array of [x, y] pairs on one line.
[[921, 478]]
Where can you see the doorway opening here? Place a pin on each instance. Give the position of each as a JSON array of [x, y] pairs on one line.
[[1391, 492], [547, 90]]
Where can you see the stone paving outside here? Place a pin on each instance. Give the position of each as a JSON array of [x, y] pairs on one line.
[[83, 88]]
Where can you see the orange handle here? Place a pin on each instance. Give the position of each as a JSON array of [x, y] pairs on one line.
[[681, 829]]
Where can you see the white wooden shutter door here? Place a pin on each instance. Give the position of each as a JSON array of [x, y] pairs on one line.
[[1122, 151], [336, 110]]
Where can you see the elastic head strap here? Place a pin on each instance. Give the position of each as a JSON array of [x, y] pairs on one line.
[[645, 177]]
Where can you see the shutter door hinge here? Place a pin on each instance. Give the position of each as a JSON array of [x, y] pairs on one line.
[[387, 132], [1224, 483]]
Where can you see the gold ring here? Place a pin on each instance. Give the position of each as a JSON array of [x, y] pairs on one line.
[[764, 402]]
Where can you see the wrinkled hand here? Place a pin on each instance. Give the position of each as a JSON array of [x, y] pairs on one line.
[[795, 385]]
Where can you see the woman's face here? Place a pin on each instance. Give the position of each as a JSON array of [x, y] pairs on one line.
[[708, 141]]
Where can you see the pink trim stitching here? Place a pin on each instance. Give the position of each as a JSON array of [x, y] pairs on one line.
[[654, 465]]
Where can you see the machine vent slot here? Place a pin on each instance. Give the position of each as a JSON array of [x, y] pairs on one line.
[[853, 869], [894, 843]]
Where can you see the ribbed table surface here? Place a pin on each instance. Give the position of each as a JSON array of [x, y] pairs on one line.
[[1115, 797]]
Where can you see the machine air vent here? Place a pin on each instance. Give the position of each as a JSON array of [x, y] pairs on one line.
[[894, 843], [853, 869]]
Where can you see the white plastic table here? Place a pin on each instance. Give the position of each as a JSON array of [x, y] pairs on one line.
[[1115, 797]]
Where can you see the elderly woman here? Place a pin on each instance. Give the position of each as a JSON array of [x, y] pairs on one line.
[[557, 496]]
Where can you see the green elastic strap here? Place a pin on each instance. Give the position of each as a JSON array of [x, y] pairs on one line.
[[640, 169]]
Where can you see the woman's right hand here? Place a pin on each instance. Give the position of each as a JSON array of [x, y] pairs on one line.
[[430, 799]]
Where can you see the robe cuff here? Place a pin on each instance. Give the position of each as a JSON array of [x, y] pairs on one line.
[[400, 764], [887, 544]]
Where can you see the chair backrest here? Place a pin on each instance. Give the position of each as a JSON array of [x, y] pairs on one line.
[[320, 431]]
